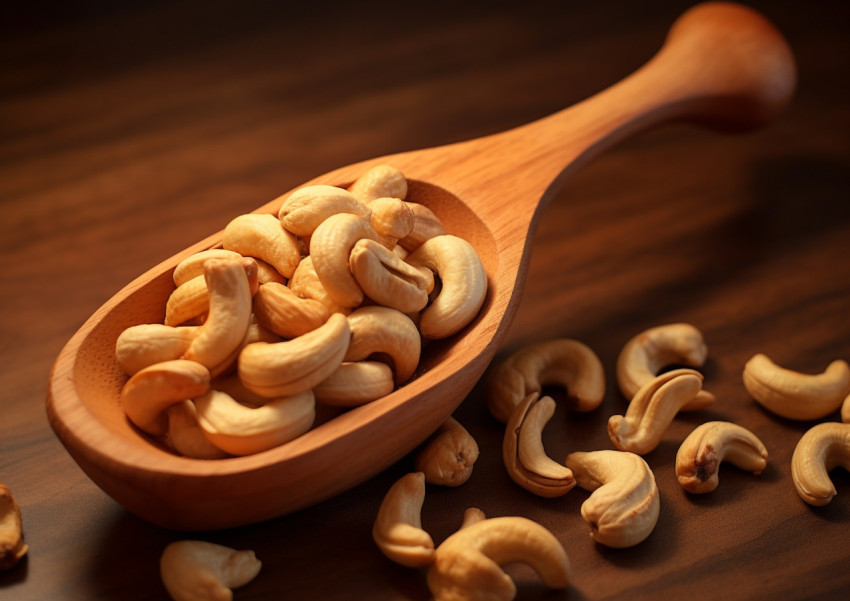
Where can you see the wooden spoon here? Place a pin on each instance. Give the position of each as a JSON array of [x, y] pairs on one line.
[[722, 65]]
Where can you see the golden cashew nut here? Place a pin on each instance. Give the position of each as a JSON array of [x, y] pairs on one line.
[[241, 430], [652, 410], [186, 435], [190, 301], [699, 456], [523, 454], [194, 570], [645, 355], [286, 368], [392, 218], [12, 545], [448, 456], [794, 395], [306, 284], [559, 362], [623, 507], [378, 182], [280, 310], [388, 332], [263, 236], [472, 515], [398, 527], [193, 265], [426, 225], [467, 564], [821, 449], [146, 395], [845, 410], [387, 279], [303, 211], [355, 383], [140, 346], [464, 284]]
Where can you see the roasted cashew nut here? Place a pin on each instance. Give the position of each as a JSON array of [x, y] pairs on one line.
[[558, 362], [845, 410], [467, 564], [152, 390], [623, 507], [388, 280], [398, 527], [448, 455], [186, 435], [279, 309], [303, 211], [699, 456], [306, 284], [794, 395], [190, 301], [426, 225], [355, 383], [286, 368], [522, 450], [652, 410], [379, 182], [263, 236], [140, 346], [387, 332], [392, 218], [472, 515], [194, 570], [241, 430], [12, 545], [821, 449], [464, 284], [645, 355], [193, 265]]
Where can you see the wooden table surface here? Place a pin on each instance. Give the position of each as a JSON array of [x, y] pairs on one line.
[[128, 133]]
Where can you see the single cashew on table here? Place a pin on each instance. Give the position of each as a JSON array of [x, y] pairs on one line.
[[821, 449], [194, 570], [448, 456], [12, 545], [328, 302], [398, 528]]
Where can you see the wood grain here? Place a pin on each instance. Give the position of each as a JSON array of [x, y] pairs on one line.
[[130, 132]]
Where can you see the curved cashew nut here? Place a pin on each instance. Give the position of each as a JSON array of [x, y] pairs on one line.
[[279, 309], [194, 570], [398, 528], [380, 181], [242, 430], [467, 564], [387, 279], [845, 410], [218, 340], [262, 236], [820, 450], [700, 455], [355, 383], [191, 299], [448, 455], [794, 395], [522, 450], [623, 507], [303, 211], [649, 352], [562, 362], [306, 284], [186, 435], [330, 248], [193, 265], [426, 225], [285, 368], [464, 284], [139, 346], [386, 331], [392, 218], [152, 390], [12, 545], [652, 410]]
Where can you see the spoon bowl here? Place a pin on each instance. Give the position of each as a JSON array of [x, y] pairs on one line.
[[722, 65]]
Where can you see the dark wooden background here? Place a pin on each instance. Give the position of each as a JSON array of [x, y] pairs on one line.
[[129, 130]]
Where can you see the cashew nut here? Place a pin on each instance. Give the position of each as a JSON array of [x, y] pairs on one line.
[[398, 526], [186, 435], [307, 207], [12, 545], [562, 362], [794, 395], [388, 332], [522, 449], [193, 265], [467, 564], [448, 455], [820, 450], [380, 181], [845, 410], [699, 457], [194, 570], [649, 352], [191, 299], [623, 507], [279, 309], [388, 280], [152, 390], [426, 225], [242, 430], [392, 218], [652, 410], [139, 346], [355, 383], [306, 284], [285, 368], [472, 515], [464, 284], [263, 236]]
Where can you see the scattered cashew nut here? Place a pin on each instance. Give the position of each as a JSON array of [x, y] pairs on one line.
[[194, 570], [12, 545], [398, 527], [448, 455], [699, 456], [794, 395], [820, 450]]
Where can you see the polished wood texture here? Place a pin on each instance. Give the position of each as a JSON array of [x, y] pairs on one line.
[[130, 133]]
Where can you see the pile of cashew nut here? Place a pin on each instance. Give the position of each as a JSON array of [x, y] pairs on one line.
[[327, 302]]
